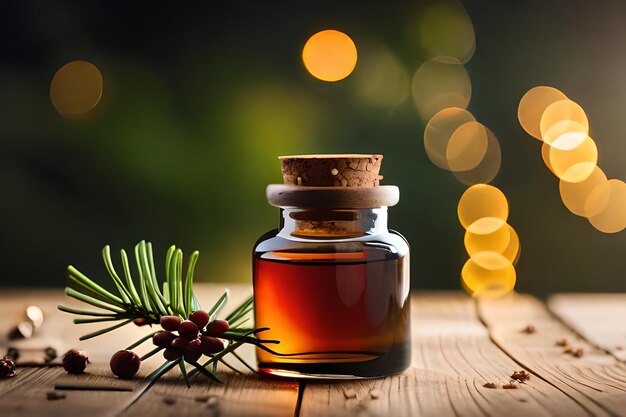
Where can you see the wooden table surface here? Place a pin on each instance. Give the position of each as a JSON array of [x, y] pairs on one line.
[[458, 346]]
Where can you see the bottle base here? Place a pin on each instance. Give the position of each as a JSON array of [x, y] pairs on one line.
[[295, 375], [394, 362], [303, 376]]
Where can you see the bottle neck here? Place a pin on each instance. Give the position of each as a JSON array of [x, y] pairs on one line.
[[332, 223]]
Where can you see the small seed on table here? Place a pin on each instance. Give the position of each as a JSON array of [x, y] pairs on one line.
[[350, 393], [521, 376], [490, 385], [375, 394], [510, 385], [562, 342]]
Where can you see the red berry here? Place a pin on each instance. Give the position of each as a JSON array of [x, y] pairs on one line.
[[7, 367], [200, 318], [192, 357], [171, 354], [163, 339], [170, 323], [211, 345], [179, 344], [194, 346], [125, 364], [75, 361], [216, 328], [188, 329]]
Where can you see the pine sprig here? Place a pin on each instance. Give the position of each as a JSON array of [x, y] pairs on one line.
[[144, 299]]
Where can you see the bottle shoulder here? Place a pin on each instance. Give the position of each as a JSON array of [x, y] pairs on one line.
[[390, 241]]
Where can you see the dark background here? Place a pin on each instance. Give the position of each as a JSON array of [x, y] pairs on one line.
[[201, 97]]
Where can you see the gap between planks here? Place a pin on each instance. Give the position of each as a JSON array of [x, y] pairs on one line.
[[597, 317], [596, 380], [453, 356]]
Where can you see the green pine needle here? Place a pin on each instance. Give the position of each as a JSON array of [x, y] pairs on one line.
[[217, 307], [140, 341], [145, 299], [183, 371], [151, 353], [106, 330]]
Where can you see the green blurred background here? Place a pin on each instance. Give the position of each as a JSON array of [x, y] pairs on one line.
[[200, 98]]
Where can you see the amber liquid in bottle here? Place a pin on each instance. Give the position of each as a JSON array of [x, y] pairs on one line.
[[341, 314]]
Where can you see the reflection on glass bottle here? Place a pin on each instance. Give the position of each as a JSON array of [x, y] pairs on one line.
[[332, 283]]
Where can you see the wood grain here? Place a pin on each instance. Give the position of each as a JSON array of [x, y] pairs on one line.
[[453, 358], [596, 381], [239, 396], [28, 397], [454, 355], [599, 318]]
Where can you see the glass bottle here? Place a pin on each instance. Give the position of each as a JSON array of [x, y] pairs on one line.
[[332, 282]]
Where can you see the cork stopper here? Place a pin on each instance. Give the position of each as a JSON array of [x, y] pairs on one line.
[[347, 170], [332, 181]]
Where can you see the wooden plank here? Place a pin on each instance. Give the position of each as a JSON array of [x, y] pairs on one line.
[[59, 332], [27, 391], [596, 380], [453, 358], [27, 378], [29, 396], [247, 395], [600, 318]]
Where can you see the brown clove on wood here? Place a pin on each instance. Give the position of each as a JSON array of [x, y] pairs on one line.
[[562, 342], [521, 376]]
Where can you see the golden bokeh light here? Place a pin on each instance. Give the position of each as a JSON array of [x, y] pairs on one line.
[[488, 274], [467, 146], [381, 79], [488, 167], [447, 30], [545, 155], [329, 55], [467, 289], [439, 83], [492, 261], [514, 248], [611, 197], [483, 209], [574, 165], [564, 125], [76, 88], [496, 241], [439, 130], [503, 241], [574, 195], [533, 104]]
